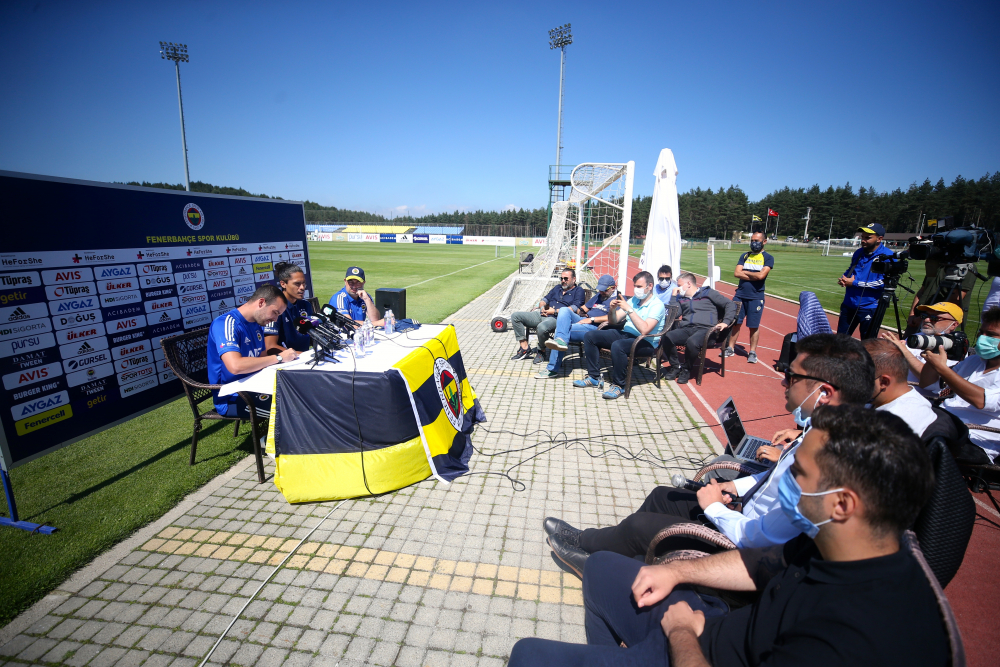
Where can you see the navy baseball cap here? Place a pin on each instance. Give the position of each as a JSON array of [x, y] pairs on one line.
[[876, 229], [605, 282], [355, 273]]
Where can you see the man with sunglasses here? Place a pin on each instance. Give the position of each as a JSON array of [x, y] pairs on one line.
[[938, 319], [829, 369], [567, 294], [572, 327], [974, 384]]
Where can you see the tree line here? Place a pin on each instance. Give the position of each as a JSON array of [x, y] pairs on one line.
[[720, 213]]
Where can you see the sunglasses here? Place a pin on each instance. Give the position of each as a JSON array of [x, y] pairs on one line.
[[789, 376], [941, 318], [564, 280]]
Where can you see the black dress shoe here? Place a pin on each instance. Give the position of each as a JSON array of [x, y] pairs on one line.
[[521, 353], [571, 557], [683, 376], [671, 373], [568, 533]]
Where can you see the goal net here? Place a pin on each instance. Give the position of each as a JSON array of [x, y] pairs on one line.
[[589, 231]]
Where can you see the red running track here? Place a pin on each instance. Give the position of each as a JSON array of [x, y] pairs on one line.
[[758, 393]]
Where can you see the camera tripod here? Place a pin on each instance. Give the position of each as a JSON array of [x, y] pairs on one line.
[[890, 284]]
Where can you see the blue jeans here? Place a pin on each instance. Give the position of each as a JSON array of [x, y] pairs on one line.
[[611, 618], [569, 330]]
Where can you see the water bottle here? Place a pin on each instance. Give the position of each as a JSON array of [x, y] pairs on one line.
[[390, 322], [359, 342], [369, 337]]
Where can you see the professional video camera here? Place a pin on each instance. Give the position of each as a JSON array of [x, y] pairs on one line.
[[958, 249], [895, 265], [956, 343]]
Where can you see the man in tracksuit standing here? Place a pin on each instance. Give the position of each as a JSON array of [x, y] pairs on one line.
[[863, 286]]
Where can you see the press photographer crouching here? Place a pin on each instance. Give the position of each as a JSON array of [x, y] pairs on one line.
[[974, 389]]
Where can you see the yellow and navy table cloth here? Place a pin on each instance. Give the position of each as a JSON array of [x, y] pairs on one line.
[[353, 429]]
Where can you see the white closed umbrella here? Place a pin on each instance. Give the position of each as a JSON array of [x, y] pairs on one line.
[[663, 231]]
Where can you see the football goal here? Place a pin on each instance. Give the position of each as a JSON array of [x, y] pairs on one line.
[[589, 231]]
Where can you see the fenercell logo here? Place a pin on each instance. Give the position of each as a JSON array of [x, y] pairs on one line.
[[194, 217], [449, 391]]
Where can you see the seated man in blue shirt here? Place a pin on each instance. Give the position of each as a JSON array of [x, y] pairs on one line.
[[352, 299], [644, 314], [665, 285], [572, 327], [236, 347], [567, 294], [283, 333]]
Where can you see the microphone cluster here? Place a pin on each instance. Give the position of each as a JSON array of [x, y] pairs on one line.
[[328, 330]]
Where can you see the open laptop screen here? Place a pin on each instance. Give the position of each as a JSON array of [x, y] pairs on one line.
[[731, 424]]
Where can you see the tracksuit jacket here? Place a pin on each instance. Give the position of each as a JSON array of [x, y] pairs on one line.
[[867, 288]]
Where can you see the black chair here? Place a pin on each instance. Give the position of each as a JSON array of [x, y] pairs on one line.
[[982, 477], [716, 340], [314, 302], [187, 355]]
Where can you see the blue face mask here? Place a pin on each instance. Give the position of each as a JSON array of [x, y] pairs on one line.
[[756, 246], [789, 494], [986, 347], [800, 421]]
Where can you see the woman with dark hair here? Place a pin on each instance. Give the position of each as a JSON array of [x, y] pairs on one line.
[[283, 333]]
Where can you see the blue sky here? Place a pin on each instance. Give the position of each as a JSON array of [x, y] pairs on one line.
[[438, 107]]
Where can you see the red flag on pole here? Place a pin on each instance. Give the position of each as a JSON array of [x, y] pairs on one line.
[[770, 213]]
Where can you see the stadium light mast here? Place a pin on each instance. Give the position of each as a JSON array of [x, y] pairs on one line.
[[179, 53], [560, 38]]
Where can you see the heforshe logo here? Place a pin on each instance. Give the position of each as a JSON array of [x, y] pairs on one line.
[[194, 217]]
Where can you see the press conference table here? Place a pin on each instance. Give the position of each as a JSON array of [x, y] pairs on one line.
[[363, 426]]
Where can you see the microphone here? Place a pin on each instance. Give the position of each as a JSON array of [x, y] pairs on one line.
[[680, 482], [338, 318]]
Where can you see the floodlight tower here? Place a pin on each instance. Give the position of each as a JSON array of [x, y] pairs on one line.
[[179, 53], [560, 38]]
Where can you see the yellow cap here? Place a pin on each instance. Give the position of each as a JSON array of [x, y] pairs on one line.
[[944, 307]]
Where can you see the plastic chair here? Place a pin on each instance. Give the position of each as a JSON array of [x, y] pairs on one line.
[[187, 355], [982, 477]]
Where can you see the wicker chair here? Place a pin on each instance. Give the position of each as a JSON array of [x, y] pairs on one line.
[[982, 477], [187, 355], [673, 310], [944, 524], [721, 342]]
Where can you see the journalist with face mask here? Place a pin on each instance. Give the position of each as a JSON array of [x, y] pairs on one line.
[[702, 308], [643, 315], [665, 285]]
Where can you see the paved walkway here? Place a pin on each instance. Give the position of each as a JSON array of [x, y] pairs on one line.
[[429, 575]]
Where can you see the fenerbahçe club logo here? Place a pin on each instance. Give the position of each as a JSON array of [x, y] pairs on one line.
[[194, 217], [449, 390]]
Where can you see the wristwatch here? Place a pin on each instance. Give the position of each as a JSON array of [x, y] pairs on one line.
[[280, 360]]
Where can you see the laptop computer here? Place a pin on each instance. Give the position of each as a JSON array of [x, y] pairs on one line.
[[741, 446]]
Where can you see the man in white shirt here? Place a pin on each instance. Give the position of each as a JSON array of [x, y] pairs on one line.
[[828, 369], [974, 385], [892, 393], [940, 318]]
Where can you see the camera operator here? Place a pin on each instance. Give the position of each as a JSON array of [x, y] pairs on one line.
[[863, 286], [975, 386], [941, 319]]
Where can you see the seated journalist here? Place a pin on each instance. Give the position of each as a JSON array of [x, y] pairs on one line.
[[283, 333], [892, 392], [567, 294], [571, 327], [236, 348], [643, 314], [974, 389], [702, 308], [830, 369], [845, 592], [353, 301]]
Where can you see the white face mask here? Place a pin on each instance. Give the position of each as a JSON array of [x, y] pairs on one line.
[[640, 293], [664, 284]]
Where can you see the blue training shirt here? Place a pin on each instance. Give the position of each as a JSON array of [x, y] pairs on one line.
[[286, 329], [867, 287], [356, 309], [231, 332]]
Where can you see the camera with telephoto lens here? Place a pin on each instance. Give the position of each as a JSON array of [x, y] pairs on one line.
[[956, 343], [892, 265], [958, 249]]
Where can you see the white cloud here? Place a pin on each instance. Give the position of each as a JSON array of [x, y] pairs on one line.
[[511, 207]]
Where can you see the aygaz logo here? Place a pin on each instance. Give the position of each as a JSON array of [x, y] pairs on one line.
[[194, 217]]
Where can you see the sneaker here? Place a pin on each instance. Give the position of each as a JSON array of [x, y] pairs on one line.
[[540, 357], [588, 382], [613, 392], [752, 359], [546, 375], [683, 376], [521, 353], [556, 344], [671, 373], [728, 352]]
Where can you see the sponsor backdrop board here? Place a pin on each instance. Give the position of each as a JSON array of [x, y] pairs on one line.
[[93, 276]]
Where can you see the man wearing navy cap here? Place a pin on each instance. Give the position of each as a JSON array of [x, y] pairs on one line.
[[352, 300], [863, 286], [572, 327]]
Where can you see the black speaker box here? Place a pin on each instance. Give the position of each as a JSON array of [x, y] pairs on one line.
[[391, 298]]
